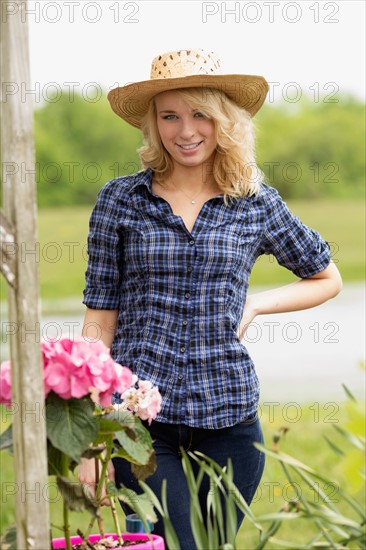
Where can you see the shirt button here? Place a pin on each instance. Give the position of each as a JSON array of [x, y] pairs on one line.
[[183, 349], [191, 241], [187, 295], [180, 376], [190, 269], [185, 323]]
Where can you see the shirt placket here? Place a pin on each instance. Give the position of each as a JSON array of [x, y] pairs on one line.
[[188, 291]]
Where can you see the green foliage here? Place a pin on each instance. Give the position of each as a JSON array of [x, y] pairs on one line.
[[71, 424], [306, 149], [332, 526], [170, 535], [78, 428], [142, 503], [305, 440], [313, 150], [8, 540], [76, 496], [80, 145]]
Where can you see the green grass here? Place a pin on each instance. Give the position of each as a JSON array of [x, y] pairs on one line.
[[67, 228], [304, 440], [341, 223], [63, 232]]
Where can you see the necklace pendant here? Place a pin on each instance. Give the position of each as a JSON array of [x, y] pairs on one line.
[[193, 202]]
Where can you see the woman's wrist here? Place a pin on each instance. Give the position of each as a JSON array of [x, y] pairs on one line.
[[252, 306]]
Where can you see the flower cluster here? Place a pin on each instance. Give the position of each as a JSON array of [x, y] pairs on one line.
[[76, 368], [73, 367], [77, 374], [142, 398]]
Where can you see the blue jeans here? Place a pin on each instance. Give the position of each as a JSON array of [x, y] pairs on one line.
[[235, 442]]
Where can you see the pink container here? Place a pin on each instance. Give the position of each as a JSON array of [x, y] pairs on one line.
[[157, 542]]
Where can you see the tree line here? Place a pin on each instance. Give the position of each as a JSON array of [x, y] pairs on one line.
[[305, 150]]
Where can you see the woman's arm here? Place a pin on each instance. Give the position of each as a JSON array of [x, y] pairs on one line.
[[302, 294], [100, 324]]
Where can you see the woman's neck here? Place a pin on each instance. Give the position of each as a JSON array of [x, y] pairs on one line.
[[193, 176]]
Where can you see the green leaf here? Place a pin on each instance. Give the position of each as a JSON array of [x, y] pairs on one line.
[[356, 423], [283, 457], [93, 452], [170, 535], [279, 516], [55, 460], [229, 484], [136, 445], [351, 438], [140, 503], [196, 517], [71, 424], [146, 470], [114, 421], [348, 393], [334, 447], [77, 496], [6, 440], [9, 539]]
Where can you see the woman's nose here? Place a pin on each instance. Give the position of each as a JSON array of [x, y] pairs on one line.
[[187, 129]]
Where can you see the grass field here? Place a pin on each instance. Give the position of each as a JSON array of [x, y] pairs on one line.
[[304, 440], [62, 257]]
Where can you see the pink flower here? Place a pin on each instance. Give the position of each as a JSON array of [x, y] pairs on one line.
[[150, 405], [76, 368], [72, 368], [144, 401], [5, 383], [65, 370], [124, 378]]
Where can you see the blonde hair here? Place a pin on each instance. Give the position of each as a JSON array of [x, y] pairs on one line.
[[234, 168]]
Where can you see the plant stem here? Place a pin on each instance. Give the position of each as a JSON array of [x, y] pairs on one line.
[[65, 472], [304, 502], [100, 484], [115, 520]]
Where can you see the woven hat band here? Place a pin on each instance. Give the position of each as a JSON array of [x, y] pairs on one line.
[[184, 63]]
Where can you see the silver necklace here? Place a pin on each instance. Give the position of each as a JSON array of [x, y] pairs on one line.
[[191, 199]]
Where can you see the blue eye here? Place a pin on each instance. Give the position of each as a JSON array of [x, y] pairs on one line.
[[200, 115], [169, 117]]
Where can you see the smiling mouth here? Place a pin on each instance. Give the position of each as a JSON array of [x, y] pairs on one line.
[[189, 147]]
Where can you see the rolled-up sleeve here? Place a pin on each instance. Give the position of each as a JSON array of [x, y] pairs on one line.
[[295, 246], [104, 253]]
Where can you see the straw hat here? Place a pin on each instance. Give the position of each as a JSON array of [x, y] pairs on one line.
[[185, 69]]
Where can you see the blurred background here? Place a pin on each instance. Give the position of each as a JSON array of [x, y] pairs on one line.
[[310, 145]]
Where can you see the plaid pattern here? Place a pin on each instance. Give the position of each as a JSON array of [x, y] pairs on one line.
[[180, 295]]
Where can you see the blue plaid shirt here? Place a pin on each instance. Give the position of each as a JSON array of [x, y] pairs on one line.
[[180, 294]]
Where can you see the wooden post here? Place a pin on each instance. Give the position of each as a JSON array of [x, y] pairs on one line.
[[21, 271]]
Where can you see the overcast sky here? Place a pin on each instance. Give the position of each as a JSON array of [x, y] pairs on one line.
[[306, 47]]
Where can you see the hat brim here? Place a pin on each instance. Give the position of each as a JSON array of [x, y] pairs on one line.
[[131, 102]]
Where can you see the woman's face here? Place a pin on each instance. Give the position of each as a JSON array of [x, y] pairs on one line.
[[187, 135]]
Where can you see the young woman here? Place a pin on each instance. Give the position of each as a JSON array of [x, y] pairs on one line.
[[171, 249]]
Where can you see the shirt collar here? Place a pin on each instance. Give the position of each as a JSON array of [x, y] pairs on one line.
[[144, 178]]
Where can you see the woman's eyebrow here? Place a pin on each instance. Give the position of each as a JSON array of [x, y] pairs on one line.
[[167, 111]]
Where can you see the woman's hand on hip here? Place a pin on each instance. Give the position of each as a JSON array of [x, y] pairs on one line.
[[248, 316]]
